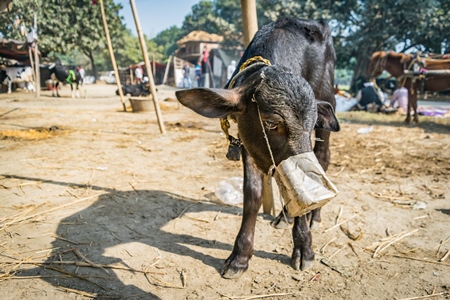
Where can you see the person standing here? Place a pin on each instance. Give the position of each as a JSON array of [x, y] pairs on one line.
[[205, 65], [82, 73], [198, 74], [230, 69], [186, 76]]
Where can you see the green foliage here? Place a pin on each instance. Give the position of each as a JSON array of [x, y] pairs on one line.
[[360, 27], [167, 40]]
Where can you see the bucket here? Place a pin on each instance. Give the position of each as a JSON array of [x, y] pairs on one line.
[[141, 104]]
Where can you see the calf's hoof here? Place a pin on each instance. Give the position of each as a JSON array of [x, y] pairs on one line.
[[302, 262], [299, 264], [314, 224], [281, 222], [232, 269]]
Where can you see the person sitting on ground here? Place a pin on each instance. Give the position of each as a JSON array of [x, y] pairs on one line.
[[369, 98], [400, 100]]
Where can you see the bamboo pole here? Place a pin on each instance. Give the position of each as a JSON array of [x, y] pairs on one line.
[[111, 53], [249, 20], [166, 72], [32, 65], [147, 66], [36, 62], [268, 201], [250, 27]]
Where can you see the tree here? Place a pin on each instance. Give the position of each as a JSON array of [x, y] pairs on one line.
[[167, 40], [65, 26], [78, 25]]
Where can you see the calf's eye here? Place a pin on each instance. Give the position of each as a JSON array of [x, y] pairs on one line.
[[271, 125]]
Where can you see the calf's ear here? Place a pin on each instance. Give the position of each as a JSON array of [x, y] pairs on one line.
[[326, 119], [211, 103]]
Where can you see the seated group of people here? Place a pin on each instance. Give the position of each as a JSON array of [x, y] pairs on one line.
[[370, 98]]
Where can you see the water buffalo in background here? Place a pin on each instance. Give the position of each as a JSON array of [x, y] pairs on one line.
[[134, 90], [282, 88]]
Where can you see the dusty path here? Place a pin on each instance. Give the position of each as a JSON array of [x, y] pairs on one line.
[[103, 206]]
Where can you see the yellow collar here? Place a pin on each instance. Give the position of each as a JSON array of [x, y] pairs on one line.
[[245, 65]]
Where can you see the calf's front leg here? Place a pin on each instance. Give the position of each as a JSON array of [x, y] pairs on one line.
[[237, 262], [303, 255]]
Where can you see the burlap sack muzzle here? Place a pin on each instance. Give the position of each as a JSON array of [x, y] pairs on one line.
[[303, 184]]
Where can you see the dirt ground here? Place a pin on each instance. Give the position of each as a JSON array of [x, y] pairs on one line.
[[96, 203]]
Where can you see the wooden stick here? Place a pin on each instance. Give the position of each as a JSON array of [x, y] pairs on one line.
[[111, 53], [322, 250], [166, 72], [75, 263], [379, 249], [72, 274], [440, 245], [147, 66], [445, 256], [2, 226], [424, 260], [256, 296], [78, 292], [339, 224], [423, 297]]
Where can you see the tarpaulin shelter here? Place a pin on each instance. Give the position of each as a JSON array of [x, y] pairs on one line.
[[13, 49]]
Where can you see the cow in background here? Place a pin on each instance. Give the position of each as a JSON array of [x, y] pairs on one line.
[[65, 74], [21, 76], [274, 97]]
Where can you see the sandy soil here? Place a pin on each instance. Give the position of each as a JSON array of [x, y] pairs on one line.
[[96, 203]]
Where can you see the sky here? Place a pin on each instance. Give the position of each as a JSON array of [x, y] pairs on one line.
[[156, 15]]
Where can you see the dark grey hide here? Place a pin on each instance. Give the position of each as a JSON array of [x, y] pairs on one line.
[[134, 90], [303, 59]]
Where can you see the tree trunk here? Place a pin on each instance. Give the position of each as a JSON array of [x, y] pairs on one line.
[[360, 69], [89, 54]]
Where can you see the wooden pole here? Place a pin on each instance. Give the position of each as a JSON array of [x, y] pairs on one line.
[[113, 59], [249, 20], [268, 201], [154, 64], [166, 72], [250, 26], [147, 66], [32, 65], [175, 71], [37, 70]]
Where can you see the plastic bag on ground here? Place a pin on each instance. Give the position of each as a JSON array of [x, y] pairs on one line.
[[229, 191]]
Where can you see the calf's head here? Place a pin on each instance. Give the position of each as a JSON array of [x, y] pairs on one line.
[[271, 102]]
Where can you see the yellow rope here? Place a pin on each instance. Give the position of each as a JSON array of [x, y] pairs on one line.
[[224, 123], [254, 58], [245, 65]]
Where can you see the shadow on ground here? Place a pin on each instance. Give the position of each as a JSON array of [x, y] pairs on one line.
[[118, 218]]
